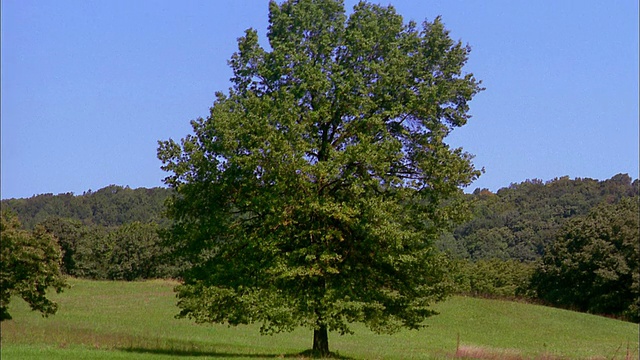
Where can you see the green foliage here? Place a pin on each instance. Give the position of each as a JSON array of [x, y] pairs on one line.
[[108, 207], [594, 263], [313, 192], [493, 278], [29, 265], [69, 234], [520, 221], [129, 252], [137, 253], [111, 233], [92, 254]]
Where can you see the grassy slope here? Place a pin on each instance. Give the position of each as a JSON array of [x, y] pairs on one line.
[[118, 320]]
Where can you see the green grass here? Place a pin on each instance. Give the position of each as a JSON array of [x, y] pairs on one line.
[[135, 320]]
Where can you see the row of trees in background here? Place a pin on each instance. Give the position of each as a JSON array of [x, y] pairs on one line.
[[569, 243], [108, 207], [592, 266], [517, 222], [131, 251], [520, 221]]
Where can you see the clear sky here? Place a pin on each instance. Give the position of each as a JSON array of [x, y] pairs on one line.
[[90, 86]]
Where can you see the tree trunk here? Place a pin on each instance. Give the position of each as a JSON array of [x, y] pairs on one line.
[[321, 341]]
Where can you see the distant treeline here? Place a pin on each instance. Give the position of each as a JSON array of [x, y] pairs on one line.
[[534, 239], [111, 206], [520, 221], [517, 222], [112, 233]]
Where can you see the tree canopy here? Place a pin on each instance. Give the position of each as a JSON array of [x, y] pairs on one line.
[[29, 265], [312, 193]]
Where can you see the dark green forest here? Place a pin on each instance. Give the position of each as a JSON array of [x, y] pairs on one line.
[[571, 243], [108, 207], [518, 222]]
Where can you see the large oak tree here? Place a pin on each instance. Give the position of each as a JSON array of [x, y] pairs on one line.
[[312, 193]]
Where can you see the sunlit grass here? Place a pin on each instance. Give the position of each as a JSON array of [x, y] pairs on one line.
[[135, 320]]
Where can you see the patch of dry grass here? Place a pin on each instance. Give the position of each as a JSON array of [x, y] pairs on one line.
[[485, 353]]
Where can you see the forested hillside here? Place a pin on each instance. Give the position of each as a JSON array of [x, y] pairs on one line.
[[108, 207], [518, 222]]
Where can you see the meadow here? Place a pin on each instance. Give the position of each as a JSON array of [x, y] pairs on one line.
[[135, 320]]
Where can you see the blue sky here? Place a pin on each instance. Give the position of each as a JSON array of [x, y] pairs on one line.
[[90, 86]]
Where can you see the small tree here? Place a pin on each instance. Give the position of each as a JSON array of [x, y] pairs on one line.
[[30, 264], [312, 193]]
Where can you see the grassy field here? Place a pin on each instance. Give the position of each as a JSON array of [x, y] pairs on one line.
[[135, 320]]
